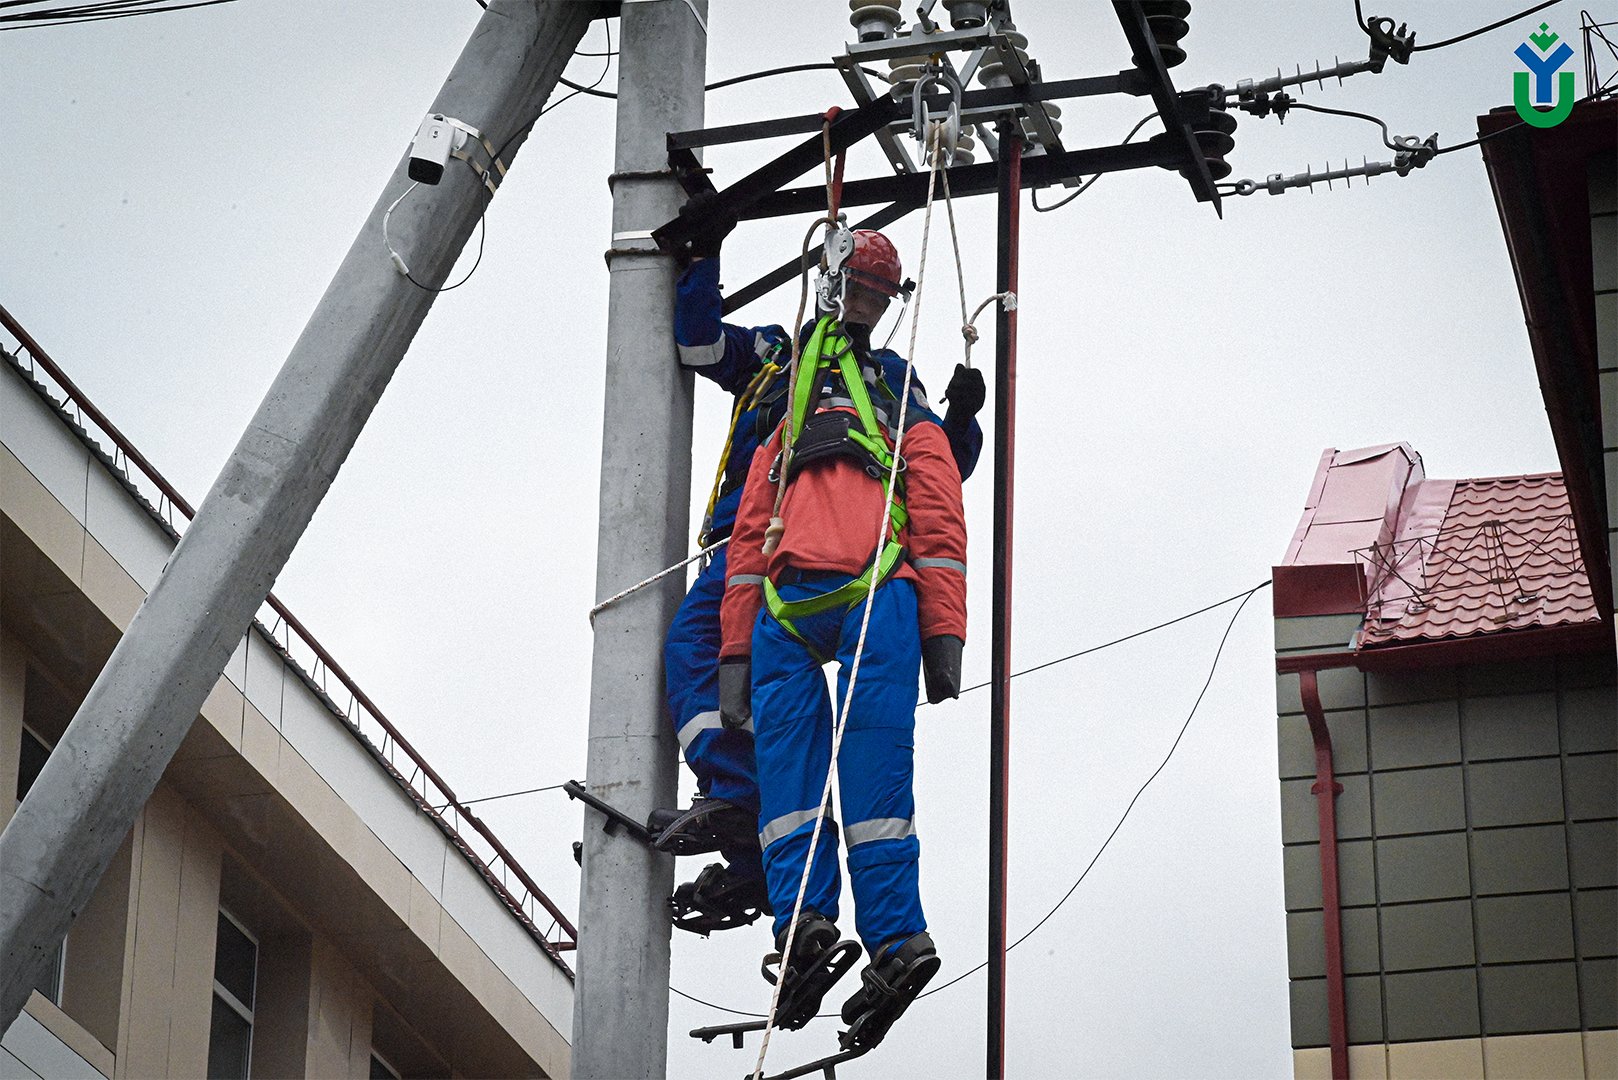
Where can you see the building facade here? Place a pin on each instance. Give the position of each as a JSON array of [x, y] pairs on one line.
[[1448, 716], [291, 901]]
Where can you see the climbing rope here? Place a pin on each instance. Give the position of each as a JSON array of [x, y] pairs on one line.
[[655, 578], [772, 534], [865, 618]]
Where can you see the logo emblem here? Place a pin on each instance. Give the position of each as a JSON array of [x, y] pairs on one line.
[[1541, 101]]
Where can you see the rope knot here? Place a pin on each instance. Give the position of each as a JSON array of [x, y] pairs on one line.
[[970, 333]]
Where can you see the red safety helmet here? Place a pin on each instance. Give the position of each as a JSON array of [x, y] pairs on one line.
[[874, 263]]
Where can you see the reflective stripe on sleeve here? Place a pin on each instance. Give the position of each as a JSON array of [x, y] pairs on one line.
[[745, 579], [786, 824], [703, 355], [706, 721], [885, 828], [949, 564]]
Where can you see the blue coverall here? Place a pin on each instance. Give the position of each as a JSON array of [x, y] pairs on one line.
[[723, 759]]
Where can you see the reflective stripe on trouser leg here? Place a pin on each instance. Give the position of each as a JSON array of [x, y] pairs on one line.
[[721, 758], [793, 712], [877, 767]]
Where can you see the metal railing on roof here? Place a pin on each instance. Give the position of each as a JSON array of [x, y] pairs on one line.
[[1419, 572], [474, 839]]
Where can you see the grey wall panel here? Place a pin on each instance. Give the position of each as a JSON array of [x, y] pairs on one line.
[[1593, 847], [1598, 983], [1419, 800], [1306, 943], [1518, 928], [1607, 331], [1433, 1005], [1527, 859], [1296, 746], [1523, 998], [1516, 677], [1515, 792], [1356, 882], [1315, 631], [1363, 1002], [1300, 820], [1425, 733], [1404, 687], [1589, 719], [1423, 867], [1591, 669], [1434, 935], [1595, 917], [1592, 786], [1518, 725]]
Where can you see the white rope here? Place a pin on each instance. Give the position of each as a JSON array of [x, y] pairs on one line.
[[659, 576], [865, 618]]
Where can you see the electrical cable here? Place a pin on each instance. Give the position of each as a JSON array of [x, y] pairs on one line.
[[398, 260], [92, 13], [1026, 671], [1484, 29], [1034, 196], [723, 82], [1213, 668], [577, 90], [1502, 131], [513, 794], [1387, 138]]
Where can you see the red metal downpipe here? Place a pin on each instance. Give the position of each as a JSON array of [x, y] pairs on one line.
[[1326, 789]]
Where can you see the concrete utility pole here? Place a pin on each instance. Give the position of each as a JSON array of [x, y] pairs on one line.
[[621, 998], [109, 761]]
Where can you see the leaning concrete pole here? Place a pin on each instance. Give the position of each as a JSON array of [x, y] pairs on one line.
[[621, 998], [105, 767]]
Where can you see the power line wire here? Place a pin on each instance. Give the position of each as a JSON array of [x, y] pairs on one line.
[[1179, 736], [1484, 29], [979, 686], [1034, 196], [91, 13], [1359, 17], [722, 83]]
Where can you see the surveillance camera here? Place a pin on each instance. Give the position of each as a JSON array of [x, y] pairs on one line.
[[436, 138]]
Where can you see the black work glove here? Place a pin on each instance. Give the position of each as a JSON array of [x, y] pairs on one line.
[[941, 665], [711, 228], [965, 394], [736, 692]]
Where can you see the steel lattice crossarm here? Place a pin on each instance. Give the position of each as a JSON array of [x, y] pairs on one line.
[[1195, 129]]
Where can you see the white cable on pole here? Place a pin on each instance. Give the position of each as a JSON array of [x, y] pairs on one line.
[[659, 576], [865, 618]]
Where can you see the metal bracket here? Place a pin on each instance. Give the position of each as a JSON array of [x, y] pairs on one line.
[[616, 818]]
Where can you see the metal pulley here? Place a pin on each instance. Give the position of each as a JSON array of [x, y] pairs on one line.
[[925, 122]]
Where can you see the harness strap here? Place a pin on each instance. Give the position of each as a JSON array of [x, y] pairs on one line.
[[845, 595]]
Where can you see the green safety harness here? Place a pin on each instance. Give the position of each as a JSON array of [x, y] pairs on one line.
[[828, 360]]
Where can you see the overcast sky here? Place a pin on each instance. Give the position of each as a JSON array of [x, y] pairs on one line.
[[180, 188]]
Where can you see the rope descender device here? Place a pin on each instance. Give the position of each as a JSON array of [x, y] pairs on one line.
[[922, 119], [831, 288]]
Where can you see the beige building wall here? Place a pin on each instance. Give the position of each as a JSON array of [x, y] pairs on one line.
[[374, 933]]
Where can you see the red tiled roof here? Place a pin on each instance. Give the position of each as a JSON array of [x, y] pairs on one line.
[[1477, 557]]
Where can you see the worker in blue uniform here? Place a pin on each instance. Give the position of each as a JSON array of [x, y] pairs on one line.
[[749, 363]]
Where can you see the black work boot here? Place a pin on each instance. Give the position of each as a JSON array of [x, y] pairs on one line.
[[719, 899], [818, 960], [888, 985], [709, 824]]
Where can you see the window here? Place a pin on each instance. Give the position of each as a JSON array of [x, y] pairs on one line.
[[35, 751], [235, 971]]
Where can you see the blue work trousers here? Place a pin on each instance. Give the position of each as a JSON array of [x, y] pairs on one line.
[[721, 757], [793, 712]]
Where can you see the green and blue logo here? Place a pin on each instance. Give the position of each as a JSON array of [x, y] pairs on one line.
[[1549, 103]]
